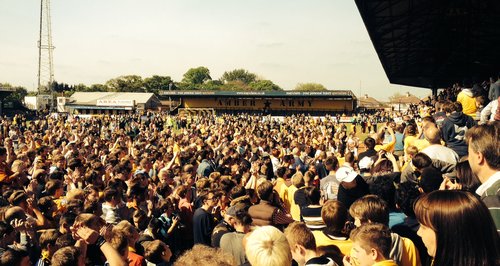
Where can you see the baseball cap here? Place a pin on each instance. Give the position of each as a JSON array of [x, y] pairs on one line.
[[366, 163], [345, 174]]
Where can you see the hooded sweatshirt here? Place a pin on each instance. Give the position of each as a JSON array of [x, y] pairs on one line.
[[466, 98], [453, 131], [403, 251]]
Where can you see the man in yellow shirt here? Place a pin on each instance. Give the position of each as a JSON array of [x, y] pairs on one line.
[[466, 98]]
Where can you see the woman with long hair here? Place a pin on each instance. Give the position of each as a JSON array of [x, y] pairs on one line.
[[457, 229]]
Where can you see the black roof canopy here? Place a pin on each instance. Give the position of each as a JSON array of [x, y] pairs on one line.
[[434, 43]]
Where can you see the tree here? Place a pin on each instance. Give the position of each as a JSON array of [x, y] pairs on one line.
[[60, 87], [18, 92], [239, 75], [130, 83], [196, 76], [310, 87], [235, 85], [156, 83], [264, 85], [98, 88]]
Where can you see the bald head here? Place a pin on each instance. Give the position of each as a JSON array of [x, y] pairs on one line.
[[433, 135]]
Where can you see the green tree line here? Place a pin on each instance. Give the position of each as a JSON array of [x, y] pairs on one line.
[[198, 78]]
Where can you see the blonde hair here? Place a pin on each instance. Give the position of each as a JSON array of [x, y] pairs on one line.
[[267, 245], [206, 256]]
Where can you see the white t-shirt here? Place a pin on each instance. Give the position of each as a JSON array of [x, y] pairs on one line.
[[442, 153]]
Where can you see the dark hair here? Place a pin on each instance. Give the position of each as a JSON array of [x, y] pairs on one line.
[[334, 215], [243, 217], [12, 256], [384, 167], [332, 162], [313, 195], [447, 212], [430, 179], [370, 208], [385, 189], [265, 190], [237, 191], [466, 177], [369, 143], [65, 240], [406, 195], [153, 251], [421, 160]]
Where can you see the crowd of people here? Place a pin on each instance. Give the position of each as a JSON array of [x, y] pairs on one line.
[[420, 188]]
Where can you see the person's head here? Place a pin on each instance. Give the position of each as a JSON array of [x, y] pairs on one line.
[[433, 135], [128, 230], [347, 177], [313, 195], [371, 243], [157, 252], [48, 239], [298, 180], [208, 199], [265, 190], [421, 161], [332, 163], [385, 189], [457, 228], [7, 234], [67, 256], [184, 192], [466, 177], [334, 215], [484, 149], [90, 220], [119, 242], [411, 151], [239, 217], [66, 220], [3, 154], [411, 130], [406, 195], [369, 143], [301, 239], [430, 179], [140, 219], [54, 188], [369, 209], [15, 257], [206, 256], [268, 246]]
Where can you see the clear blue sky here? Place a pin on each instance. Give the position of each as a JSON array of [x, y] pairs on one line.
[[286, 41]]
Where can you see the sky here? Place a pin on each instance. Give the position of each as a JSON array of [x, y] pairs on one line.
[[286, 41]]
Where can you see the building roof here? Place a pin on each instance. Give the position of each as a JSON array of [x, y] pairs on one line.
[[369, 102], [405, 99], [91, 98], [433, 44], [338, 94]]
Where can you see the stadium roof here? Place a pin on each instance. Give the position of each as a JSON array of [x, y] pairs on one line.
[[260, 94], [92, 98], [433, 44]]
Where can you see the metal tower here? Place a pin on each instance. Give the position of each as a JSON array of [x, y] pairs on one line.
[[45, 50]]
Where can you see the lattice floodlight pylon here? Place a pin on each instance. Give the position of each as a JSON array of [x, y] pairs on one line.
[[45, 50]]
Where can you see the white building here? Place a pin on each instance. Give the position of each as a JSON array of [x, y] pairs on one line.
[[108, 102]]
